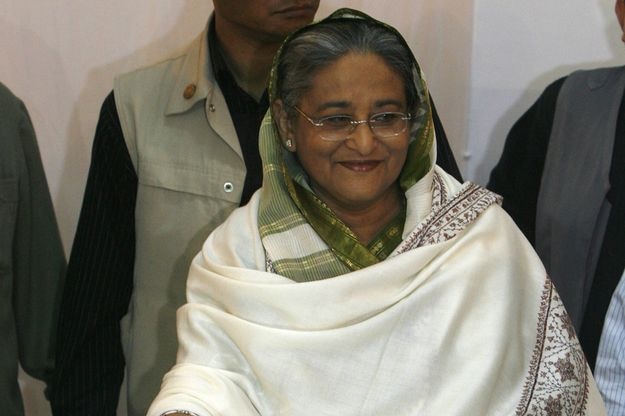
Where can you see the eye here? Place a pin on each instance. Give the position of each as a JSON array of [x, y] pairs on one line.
[[384, 119], [338, 121]]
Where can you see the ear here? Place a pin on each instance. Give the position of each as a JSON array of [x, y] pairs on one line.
[[285, 127]]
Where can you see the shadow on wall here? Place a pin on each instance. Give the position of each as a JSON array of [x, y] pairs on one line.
[[42, 92], [30, 87], [444, 39]]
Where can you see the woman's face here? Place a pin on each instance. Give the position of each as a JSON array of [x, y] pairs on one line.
[[360, 172]]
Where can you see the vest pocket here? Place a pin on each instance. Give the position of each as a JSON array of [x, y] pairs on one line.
[[218, 181]]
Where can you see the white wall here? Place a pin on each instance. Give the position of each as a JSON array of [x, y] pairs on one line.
[[485, 61], [519, 48]]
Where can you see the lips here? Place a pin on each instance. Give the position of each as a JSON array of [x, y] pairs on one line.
[[361, 166], [297, 11]]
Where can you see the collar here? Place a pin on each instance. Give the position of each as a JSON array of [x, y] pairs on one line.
[[599, 78], [196, 79]]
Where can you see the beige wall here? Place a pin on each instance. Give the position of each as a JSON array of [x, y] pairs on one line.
[[518, 49]]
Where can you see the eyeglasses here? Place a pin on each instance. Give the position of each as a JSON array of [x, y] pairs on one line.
[[339, 127]]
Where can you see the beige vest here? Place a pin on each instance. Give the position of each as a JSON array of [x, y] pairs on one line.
[[191, 172]]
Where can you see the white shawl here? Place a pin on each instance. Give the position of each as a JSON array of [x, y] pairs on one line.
[[461, 320]]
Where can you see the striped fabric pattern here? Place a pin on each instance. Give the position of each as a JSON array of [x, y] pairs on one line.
[[610, 369], [98, 286]]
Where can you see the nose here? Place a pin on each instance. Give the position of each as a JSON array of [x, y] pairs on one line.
[[362, 139]]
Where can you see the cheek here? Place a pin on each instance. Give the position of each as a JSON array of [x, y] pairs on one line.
[[316, 159], [313, 159], [399, 154]]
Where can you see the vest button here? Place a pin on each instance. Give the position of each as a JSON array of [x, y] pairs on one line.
[[228, 187], [211, 108], [189, 91]]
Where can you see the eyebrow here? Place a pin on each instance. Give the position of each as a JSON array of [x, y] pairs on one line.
[[334, 104], [347, 104]]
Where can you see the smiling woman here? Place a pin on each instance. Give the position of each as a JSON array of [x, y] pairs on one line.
[[362, 279], [354, 172]]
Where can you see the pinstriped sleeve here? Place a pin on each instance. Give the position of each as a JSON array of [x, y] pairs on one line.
[[90, 363]]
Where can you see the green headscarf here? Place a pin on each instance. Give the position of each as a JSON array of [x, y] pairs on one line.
[[303, 239]]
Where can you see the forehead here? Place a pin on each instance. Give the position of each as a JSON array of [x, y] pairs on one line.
[[356, 78]]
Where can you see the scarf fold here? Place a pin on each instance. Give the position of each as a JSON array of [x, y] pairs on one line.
[[462, 308]]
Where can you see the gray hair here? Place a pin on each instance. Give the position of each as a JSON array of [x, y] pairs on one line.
[[319, 45]]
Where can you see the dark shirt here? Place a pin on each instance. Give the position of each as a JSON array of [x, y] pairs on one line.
[[90, 361], [247, 115], [517, 177]]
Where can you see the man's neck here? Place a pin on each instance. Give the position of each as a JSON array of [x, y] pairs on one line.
[[248, 59]]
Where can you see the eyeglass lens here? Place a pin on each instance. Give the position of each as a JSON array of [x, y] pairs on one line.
[[382, 125]]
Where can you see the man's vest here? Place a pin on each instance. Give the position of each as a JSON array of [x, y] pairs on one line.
[[572, 210], [190, 170]]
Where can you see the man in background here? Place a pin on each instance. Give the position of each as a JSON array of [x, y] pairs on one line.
[[562, 178], [32, 261], [175, 152]]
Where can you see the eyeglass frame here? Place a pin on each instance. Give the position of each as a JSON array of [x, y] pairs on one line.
[[355, 123]]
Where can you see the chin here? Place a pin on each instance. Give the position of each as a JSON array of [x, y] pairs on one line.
[[290, 22]]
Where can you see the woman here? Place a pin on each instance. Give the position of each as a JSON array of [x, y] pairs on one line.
[[362, 279]]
